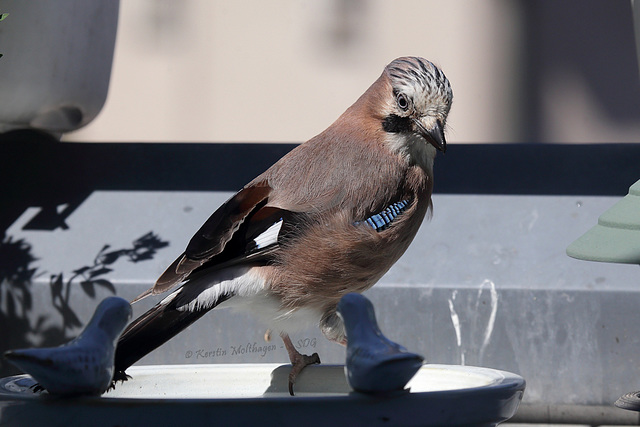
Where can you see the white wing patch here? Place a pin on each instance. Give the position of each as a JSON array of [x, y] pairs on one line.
[[269, 236]]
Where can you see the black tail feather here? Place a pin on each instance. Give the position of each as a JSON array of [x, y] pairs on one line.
[[152, 329]]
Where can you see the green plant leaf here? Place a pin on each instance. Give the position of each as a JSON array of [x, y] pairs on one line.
[[3, 15]]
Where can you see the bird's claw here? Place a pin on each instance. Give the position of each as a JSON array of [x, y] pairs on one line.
[[37, 388], [118, 376], [300, 362]]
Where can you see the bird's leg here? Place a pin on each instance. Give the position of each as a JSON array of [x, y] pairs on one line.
[[298, 361]]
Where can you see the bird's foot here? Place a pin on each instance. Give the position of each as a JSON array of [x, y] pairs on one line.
[[37, 388], [301, 361], [118, 376], [298, 361]]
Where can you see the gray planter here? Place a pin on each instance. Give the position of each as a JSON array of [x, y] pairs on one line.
[[56, 64]]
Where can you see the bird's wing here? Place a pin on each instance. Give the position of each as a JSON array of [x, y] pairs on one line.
[[270, 202], [217, 231], [242, 229]]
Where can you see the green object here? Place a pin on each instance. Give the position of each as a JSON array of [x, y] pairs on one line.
[[2, 16], [616, 237]]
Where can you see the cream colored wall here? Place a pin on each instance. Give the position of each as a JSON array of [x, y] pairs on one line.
[[282, 70]]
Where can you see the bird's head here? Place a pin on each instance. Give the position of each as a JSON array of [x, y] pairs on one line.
[[416, 101]]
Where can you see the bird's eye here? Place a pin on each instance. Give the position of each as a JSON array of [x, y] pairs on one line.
[[403, 101]]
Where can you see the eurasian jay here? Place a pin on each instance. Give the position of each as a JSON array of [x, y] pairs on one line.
[[329, 218]]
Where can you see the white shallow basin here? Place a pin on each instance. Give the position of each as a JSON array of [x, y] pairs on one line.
[[252, 394]]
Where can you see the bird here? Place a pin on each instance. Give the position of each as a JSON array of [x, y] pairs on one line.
[[329, 218], [83, 366], [374, 363]]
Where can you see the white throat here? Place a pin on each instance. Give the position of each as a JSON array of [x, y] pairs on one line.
[[413, 149]]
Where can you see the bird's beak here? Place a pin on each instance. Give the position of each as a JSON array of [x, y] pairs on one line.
[[434, 136]]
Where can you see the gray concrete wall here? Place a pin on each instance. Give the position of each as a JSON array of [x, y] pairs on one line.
[[486, 282]]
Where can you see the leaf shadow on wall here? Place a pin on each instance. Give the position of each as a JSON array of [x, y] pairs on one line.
[[21, 326]]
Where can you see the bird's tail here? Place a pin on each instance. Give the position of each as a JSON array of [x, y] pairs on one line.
[[154, 328]]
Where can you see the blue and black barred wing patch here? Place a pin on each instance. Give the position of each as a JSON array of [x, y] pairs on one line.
[[381, 221]]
